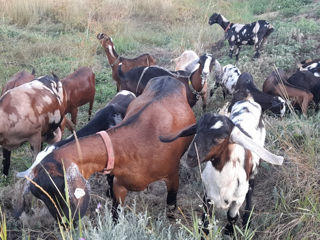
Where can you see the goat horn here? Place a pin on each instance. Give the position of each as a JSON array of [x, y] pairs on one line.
[[240, 138]]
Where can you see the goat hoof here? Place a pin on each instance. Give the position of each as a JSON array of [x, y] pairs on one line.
[[171, 211], [228, 229]]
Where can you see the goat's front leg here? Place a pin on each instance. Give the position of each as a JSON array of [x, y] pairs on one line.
[[231, 50], [208, 207], [6, 161], [232, 215], [237, 52], [257, 47], [172, 187], [119, 195], [248, 207]]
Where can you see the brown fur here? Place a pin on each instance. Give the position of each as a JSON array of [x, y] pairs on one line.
[[280, 87], [127, 63], [80, 89], [17, 80]]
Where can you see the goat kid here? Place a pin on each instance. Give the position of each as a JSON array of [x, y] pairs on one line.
[[226, 77], [127, 63], [255, 33], [232, 149], [31, 113]]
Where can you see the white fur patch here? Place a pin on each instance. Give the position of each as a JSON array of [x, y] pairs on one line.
[[47, 99], [79, 193], [13, 117], [111, 50], [232, 38], [230, 77], [41, 155], [256, 28], [54, 117], [125, 93], [238, 27], [217, 125], [206, 68]]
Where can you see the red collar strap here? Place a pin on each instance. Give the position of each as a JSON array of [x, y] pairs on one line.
[[227, 28], [107, 141]]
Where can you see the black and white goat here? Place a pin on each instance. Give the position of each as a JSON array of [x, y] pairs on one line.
[[226, 77], [232, 149], [254, 33], [275, 104]]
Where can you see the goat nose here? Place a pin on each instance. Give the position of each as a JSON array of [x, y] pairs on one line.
[[226, 201]]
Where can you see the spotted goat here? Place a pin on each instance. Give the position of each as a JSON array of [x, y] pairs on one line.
[[31, 113], [237, 34], [226, 77], [231, 149]]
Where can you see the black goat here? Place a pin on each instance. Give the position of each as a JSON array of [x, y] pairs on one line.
[[254, 33], [267, 102]]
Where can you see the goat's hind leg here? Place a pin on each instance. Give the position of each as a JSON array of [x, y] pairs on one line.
[[6, 161], [172, 188]]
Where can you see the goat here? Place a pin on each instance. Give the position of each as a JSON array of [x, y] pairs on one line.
[[127, 63], [306, 80], [310, 65], [105, 118], [136, 79], [31, 113], [17, 80], [187, 61], [273, 103], [131, 152], [276, 84], [226, 77], [232, 149], [80, 89], [254, 33]]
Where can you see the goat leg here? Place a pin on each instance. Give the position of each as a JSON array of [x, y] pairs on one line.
[[248, 207], [6, 161]]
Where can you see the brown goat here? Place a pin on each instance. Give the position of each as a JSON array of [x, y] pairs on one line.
[[130, 151], [17, 80], [80, 89], [31, 113], [276, 84], [127, 63]]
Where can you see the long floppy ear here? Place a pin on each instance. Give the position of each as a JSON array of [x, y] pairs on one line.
[[237, 136], [218, 71], [188, 131]]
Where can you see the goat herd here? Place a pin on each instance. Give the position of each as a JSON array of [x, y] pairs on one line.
[[141, 134]]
